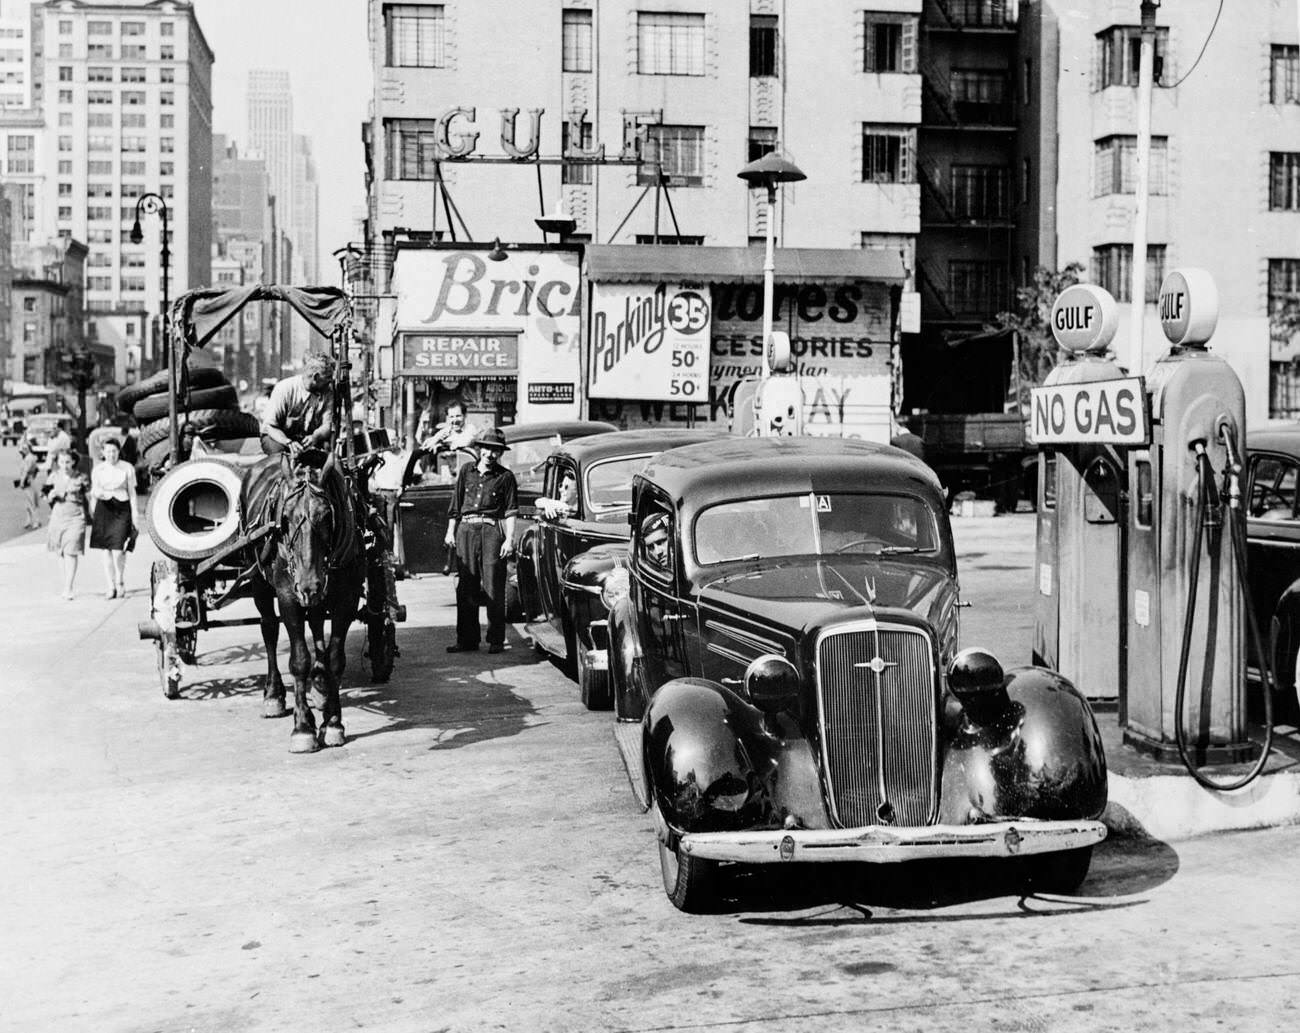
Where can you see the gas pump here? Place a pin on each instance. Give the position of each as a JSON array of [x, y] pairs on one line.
[[1187, 608], [778, 395], [1080, 535]]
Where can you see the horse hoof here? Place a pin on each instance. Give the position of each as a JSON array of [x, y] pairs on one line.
[[303, 742], [274, 708], [332, 735]]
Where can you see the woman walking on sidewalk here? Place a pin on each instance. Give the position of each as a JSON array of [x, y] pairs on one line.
[[29, 468], [67, 491], [112, 494]]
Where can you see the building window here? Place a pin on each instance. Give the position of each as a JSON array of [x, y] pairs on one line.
[[133, 261], [1116, 165], [22, 154], [167, 75], [96, 236], [1283, 286], [65, 143], [576, 24], [670, 238], [976, 287], [164, 121], [669, 43], [1112, 268], [97, 28], [166, 168], [99, 213], [65, 119], [100, 73], [1284, 181], [65, 28], [979, 95], [1284, 75], [98, 168], [65, 213], [1118, 53], [65, 167], [888, 154], [133, 96], [889, 43], [99, 96], [65, 73], [132, 190], [100, 51], [99, 283], [677, 151], [762, 140], [65, 96], [130, 75], [133, 52], [576, 173], [134, 144], [102, 142], [133, 120], [167, 28], [97, 189], [100, 120], [131, 168], [166, 144], [65, 51], [167, 98], [980, 191], [410, 147], [132, 28], [132, 283], [417, 36], [167, 53], [763, 38]]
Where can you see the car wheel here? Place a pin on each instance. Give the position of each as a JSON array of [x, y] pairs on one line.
[[1060, 872], [690, 882], [593, 684]]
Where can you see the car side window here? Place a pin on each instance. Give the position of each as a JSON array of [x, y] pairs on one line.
[[1273, 488], [655, 542]]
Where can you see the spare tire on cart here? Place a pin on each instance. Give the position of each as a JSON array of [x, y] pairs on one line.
[[195, 510], [157, 407], [199, 377]]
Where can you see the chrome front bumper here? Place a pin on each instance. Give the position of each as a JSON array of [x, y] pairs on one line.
[[884, 845]]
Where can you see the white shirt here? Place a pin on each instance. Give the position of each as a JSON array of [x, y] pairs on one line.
[[108, 481]]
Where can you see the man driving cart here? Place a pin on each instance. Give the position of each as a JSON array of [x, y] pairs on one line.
[[300, 413]]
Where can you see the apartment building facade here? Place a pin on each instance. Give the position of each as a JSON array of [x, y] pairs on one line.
[[128, 111]]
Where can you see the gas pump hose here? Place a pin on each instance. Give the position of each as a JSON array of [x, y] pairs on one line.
[[1237, 534]]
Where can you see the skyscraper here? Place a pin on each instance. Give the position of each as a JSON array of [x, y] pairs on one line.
[[305, 228], [270, 132]]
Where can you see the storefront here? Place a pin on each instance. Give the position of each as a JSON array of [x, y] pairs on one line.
[[673, 332], [496, 329]]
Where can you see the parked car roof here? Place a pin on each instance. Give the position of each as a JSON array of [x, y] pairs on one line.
[[1279, 437], [635, 442], [549, 428], [746, 466]]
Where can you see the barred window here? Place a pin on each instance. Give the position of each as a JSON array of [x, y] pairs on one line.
[[1284, 75], [889, 43], [888, 153], [1118, 51], [763, 39], [669, 43], [676, 150], [1284, 181], [576, 172], [976, 287], [416, 35], [576, 26], [980, 191], [410, 147], [1283, 285], [1112, 268], [1115, 162], [762, 140]]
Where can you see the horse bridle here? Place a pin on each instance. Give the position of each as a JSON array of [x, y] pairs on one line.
[[290, 536]]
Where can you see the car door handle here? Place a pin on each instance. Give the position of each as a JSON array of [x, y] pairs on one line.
[[733, 681], [673, 617]]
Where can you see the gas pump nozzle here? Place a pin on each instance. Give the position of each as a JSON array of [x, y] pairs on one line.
[[1233, 468], [1209, 490]]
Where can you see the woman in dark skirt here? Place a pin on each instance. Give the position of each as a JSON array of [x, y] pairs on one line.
[[112, 493]]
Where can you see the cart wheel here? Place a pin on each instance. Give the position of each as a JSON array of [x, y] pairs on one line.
[[187, 643], [168, 674], [381, 639]]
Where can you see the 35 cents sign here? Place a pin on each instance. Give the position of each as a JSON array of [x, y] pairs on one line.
[[650, 342]]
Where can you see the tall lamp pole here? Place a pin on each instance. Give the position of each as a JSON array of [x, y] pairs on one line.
[[769, 172], [153, 204]]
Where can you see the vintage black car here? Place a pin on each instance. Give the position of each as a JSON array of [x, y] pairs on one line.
[[427, 483], [1273, 553], [564, 558], [788, 686]]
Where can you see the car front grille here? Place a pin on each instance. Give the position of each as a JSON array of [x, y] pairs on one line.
[[879, 724]]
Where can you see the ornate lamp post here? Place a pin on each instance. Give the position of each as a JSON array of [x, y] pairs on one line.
[[769, 171], [150, 204]]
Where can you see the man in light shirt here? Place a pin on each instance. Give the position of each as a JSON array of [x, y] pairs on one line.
[[300, 413]]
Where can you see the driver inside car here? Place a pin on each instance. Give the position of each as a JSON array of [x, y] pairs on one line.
[[566, 501], [654, 536]]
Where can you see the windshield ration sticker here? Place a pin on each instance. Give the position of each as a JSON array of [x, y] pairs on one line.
[[823, 503], [803, 501]]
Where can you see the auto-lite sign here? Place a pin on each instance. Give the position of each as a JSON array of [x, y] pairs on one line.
[[1102, 412], [650, 342]]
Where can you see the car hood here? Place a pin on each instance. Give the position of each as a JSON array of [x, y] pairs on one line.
[[802, 593]]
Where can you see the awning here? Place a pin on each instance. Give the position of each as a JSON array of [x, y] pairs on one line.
[[205, 310], [672, 263]]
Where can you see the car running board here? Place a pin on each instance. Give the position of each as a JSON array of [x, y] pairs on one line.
[[628, 736], [546, 637]]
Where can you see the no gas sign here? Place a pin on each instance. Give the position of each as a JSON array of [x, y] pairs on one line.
[[1100, 412]]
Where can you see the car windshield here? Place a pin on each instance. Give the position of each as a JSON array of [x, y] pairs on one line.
[[526, 459], [609, 484], [815, 524]]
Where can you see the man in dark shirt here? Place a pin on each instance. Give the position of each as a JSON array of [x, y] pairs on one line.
[[481, 526]]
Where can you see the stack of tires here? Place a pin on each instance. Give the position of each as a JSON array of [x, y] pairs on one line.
[[209, 410]]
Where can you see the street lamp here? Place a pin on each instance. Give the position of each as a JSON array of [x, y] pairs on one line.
[[769, 171], [151, 204], [559, 222]]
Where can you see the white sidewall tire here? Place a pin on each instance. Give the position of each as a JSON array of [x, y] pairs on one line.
[[169, 539]]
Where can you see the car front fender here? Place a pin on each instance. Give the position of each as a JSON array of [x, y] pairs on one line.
[[1041, 758]]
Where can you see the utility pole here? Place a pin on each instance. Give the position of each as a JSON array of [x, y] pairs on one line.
[[1142, 187], [274, 279]]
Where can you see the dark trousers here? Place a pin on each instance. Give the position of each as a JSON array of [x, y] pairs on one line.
[[481, 574]]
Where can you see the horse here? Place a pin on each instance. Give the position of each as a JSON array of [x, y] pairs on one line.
[[313, 566]]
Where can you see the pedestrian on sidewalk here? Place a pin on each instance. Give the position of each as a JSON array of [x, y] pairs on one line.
[[112, 527], [29, 468], [481, 526], [67, 491]]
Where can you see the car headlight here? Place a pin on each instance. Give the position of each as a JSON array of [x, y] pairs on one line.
[[772, 683], [977, 680]]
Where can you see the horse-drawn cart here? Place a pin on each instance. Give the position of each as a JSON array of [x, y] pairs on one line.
[[233, 523]]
